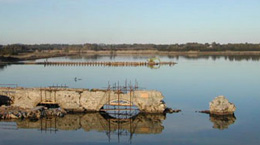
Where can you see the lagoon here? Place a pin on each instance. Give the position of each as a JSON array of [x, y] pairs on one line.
[[189, 85]]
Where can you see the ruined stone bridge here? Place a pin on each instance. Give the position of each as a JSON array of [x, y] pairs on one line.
[[81, 99]]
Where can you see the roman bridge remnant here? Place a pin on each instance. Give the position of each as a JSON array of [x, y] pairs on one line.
[[148, 101]]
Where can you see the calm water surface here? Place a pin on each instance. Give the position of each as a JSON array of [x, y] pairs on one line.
[[190, 85]]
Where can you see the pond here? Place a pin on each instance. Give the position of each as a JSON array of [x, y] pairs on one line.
[[189, 85]]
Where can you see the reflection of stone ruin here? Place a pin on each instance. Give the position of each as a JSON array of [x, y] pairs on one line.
[[222, 122], [140, 124]]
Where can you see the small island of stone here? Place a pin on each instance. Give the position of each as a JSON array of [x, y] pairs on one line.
[[220, 106]]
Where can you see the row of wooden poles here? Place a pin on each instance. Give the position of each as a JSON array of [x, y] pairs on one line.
[[107, 63]]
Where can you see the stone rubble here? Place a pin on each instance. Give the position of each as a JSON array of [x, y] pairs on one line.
[[170, 110]]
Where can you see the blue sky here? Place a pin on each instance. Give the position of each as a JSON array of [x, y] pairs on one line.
[[129, 21]]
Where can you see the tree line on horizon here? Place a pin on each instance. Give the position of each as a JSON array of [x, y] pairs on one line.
[[15, 49]]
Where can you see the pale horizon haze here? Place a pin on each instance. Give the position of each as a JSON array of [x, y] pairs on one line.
[[129, 21]]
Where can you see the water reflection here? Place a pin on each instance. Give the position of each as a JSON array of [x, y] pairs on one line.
[[222, 122], [144, 57], [92, 57], [233, 57], [87, 57], [139, 124], [216, 57]]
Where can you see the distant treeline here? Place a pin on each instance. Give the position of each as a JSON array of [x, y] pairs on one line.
[[15, 49]]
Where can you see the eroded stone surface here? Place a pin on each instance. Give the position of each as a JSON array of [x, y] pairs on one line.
[[221, 106], [82, 99]]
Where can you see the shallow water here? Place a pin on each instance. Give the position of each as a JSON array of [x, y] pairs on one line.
[[189, 85]]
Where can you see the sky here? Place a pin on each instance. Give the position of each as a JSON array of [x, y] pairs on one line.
[[129, 21]]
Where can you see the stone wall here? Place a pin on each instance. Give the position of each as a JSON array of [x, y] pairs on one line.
[[82, 99]]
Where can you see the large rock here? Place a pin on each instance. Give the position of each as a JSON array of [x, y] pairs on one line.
[[221, 106]]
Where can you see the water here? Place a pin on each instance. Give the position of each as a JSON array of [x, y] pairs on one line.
[[190, 86]]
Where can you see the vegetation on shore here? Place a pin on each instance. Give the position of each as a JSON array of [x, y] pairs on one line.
[[16, 49]]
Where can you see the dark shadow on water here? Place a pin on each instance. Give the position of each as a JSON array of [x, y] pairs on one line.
[[2, 67], [222, 122]]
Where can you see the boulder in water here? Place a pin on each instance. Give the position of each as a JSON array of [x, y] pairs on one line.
[[221, 106]]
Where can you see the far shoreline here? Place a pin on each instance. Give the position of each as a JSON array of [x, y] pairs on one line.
[[60, 53]]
